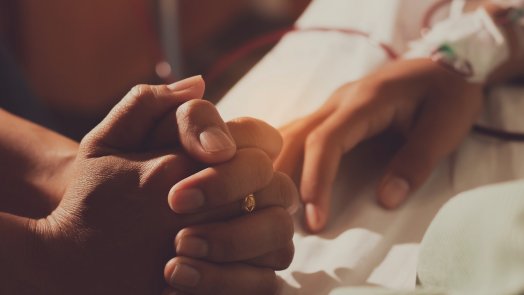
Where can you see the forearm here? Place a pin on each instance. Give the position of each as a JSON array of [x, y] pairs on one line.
[[35, 166]]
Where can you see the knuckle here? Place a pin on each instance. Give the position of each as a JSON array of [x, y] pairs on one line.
[[193, 107], [293, 130], [374, 86], [141, 92], [250, 125], [140, 95], [165, 163], [87, 142], [158, 168]]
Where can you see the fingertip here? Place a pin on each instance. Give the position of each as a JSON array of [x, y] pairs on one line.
[[311, 191], [199, 81], [393, 192], [316, 218], [184, 201], [178, 236], [293, 208], [170, 199], [169, 269], [192, 88], [188, 83], [180, 273]]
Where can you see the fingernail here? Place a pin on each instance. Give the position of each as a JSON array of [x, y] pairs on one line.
[[192, 247], [184, 84], [394, 192], [293, 209], [187, 200], [215, 140], [314, 217], [185, 276]]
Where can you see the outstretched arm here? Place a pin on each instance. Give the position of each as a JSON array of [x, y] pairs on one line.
[[431, 106]]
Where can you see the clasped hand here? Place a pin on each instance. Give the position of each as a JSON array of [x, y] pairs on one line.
[[163, 176]]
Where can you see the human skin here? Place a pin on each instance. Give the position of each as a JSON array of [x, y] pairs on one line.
[[218, 257], [35, 169], [431, 107], [112, 232], [37, 162]]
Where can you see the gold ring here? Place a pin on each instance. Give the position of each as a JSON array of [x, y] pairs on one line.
[[249, 203]]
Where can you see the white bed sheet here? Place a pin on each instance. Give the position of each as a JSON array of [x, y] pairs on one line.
[[365, 244]]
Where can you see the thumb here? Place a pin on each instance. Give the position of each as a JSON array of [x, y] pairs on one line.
[[202, 132], [130, 122]]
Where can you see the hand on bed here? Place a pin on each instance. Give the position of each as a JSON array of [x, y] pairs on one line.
[[111, 233], [431, 106]]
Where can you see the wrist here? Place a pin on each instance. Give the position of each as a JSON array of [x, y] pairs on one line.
[[514, 34], [415, 77], [36, 163], [454, 43], [416, 80], [54, 180], [56, 250], [20, 254]]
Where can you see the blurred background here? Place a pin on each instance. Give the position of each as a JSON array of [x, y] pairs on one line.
[[80, 57], [207, 36]]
